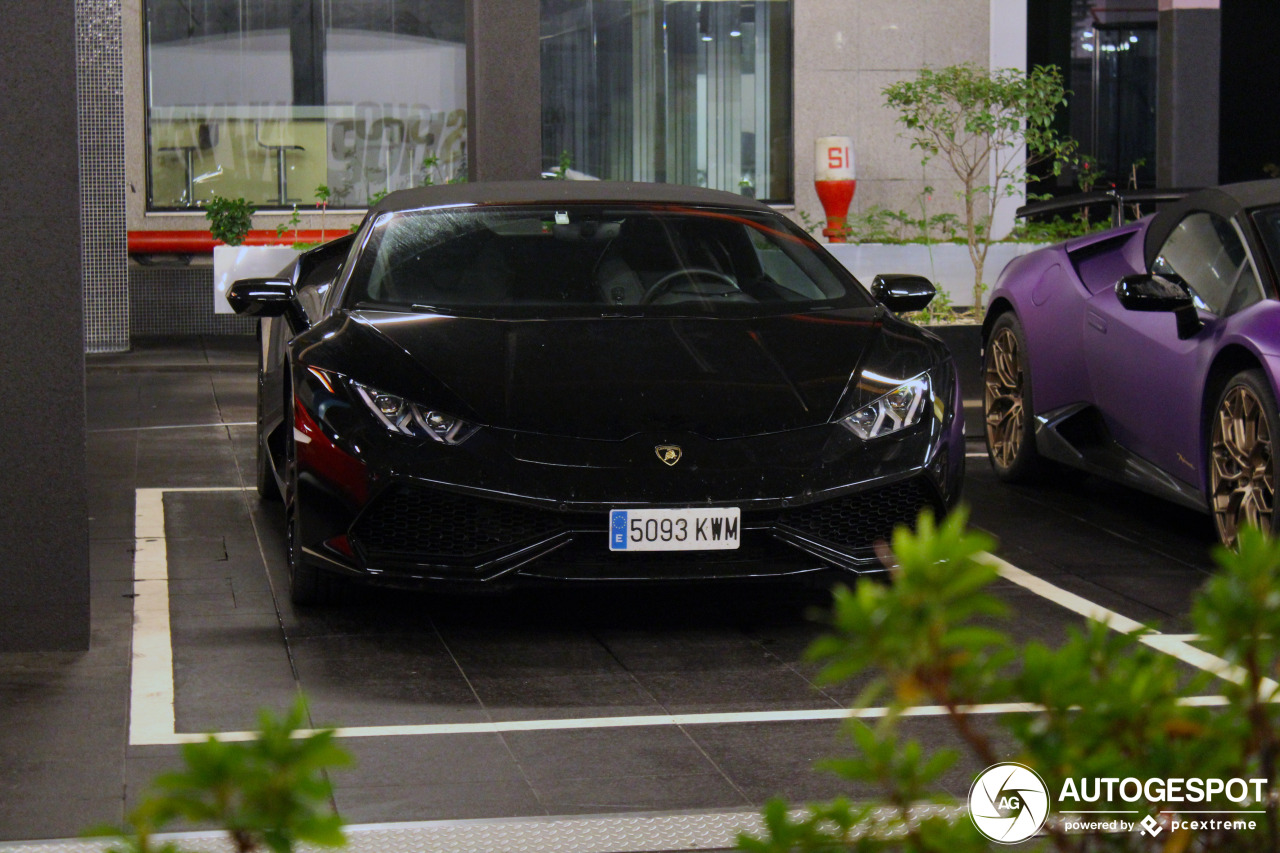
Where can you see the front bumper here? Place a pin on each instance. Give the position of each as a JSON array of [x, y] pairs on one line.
[[507, 508], [413, 532]]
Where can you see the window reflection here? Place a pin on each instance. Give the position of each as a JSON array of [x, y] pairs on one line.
[[269, 99], [672, 91], [1207, 253]]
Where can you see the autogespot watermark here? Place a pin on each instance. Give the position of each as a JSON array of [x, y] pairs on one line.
[[1010, 803]]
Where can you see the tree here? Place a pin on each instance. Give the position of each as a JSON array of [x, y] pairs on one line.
[[981, 122]]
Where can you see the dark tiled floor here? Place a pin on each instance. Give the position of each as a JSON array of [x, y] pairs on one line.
[[160, 416]]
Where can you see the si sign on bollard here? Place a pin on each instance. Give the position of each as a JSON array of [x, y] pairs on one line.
[[835, 182]]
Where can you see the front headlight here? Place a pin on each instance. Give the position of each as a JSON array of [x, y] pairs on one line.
[[900, 408], [408, 418]]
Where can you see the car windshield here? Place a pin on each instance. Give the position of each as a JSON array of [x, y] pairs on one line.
[[578, 260], [1268, 221]]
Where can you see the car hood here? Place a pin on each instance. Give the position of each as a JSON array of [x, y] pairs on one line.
[[609, 378]]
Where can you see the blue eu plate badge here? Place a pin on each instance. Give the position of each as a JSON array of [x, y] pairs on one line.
[[618, 530]]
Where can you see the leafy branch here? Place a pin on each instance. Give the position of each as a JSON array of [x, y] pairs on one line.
[[1102, 705], [271, 792]]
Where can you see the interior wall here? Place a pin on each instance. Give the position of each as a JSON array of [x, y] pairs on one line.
[[846, 53], [100, 108], [44, 559]]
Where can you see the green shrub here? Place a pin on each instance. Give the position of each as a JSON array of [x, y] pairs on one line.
[[229, 219]]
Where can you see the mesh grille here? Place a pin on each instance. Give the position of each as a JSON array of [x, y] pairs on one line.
[[414, 522], [175, 300], [422, 525], [858, 520]]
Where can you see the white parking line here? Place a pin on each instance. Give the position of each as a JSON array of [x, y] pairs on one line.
[[1174, 645], [178, 426], [152, 720], [151, 716], [803, 715]]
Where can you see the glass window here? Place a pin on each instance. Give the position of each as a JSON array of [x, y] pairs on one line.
[[1206, 251], [270, 99], [670, 91], [581, 260], [1111, 62], [1267, 221]]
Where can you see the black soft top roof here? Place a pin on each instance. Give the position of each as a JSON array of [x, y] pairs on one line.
[[568, 192], [1226, 200]]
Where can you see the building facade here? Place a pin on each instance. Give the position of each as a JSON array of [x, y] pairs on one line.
[[292, 102]]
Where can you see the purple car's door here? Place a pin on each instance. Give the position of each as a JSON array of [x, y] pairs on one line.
[[1147, 382]]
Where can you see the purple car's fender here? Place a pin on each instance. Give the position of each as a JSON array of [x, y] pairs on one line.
[[1244, 340], [1044, 288]]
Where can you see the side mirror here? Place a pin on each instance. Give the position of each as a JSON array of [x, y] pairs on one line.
[[1163, 293], [902, 293], [267, 297]]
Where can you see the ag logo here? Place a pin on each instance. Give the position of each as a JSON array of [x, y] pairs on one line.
[[668, 453], [1008, 803]]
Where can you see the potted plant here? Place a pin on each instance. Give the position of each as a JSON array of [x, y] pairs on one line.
[[229, 222]]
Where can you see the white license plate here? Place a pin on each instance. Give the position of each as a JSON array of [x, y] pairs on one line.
[[702, 529]]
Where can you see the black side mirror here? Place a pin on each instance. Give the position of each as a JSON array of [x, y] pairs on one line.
[[267, 297], [1163, 293], [902, 293]]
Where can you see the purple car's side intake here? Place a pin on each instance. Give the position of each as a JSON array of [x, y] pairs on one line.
[[1149, 354]]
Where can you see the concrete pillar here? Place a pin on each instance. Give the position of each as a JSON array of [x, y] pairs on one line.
[[44, 547], [504, 90], [1187, 100]]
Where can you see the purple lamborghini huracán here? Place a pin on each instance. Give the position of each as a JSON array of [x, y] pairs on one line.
[[1148, 354]]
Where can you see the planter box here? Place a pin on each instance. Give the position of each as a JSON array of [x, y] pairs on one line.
[[232, 263], [947, 265], [965, 342]]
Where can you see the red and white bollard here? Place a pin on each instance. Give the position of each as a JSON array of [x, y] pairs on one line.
[[835, 182]]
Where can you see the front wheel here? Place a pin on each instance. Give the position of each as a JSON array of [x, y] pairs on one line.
[[1242, 473], [308, 585], [265, 479], [1006, 402]]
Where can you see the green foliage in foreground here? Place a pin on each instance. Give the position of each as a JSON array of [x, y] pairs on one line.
[[1111, 706], [270, 792]]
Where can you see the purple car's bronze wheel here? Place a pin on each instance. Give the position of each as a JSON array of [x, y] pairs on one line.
[[1006, 401], [1242, 477]]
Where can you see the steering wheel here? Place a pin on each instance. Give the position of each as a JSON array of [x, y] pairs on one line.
[[662, 285]]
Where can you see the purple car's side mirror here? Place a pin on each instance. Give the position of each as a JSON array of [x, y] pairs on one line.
[[1164, 293]]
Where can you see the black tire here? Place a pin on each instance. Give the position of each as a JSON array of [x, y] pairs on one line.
[[1007, 410], [268, 489], [308, 584], [1242, 470], [265, 481]]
